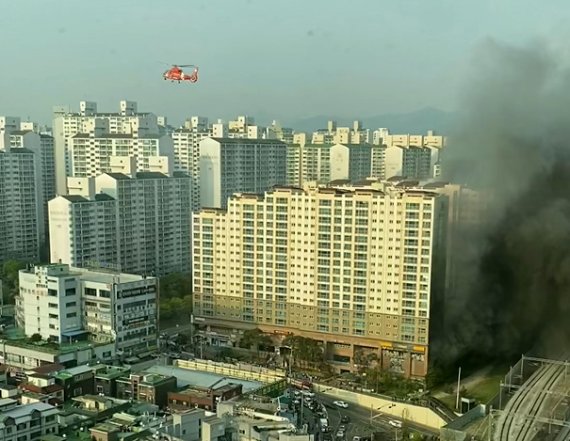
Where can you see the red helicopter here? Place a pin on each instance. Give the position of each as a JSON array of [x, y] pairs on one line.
[[175, 73]]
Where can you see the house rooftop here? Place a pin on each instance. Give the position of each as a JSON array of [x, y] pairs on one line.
[[110, 372], [72, 372]]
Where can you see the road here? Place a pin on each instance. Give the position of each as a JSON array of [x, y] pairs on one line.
[[184, 327], [360, 422]]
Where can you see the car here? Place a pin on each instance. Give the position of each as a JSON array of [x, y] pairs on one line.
[[340, 434], [340, 404], [342, 428], [395, 423], [345, 419]]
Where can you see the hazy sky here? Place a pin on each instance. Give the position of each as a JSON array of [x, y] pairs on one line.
[[288, 59]]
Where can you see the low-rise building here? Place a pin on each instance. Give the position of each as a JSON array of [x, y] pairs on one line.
[[28, 422], [64, 304], [76, 381], [9, 391], [205, 398], [23, 354], [98, 408], [106, 379], [45, 385], [7, 404], [147, 387], [33, 397]]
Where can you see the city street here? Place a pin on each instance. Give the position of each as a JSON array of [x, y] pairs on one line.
[[360, 422]]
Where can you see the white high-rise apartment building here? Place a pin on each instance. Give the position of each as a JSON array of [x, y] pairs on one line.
[[348, 266], [137, 221], [229, 166], [243, 127], [342, 135], [90, 153], [350, 162], [186, 142], [67, 124], [276, 131], [323, 163], [8, 124], [410, 156], [20, 204], [83, 229], [64, 304], [42, 147]]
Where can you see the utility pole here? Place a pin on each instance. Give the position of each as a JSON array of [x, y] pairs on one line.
[[490, 428], [302, 408], [458, 388]]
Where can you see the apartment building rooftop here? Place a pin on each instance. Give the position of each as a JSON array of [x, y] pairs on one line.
[[248, 141], [117, 136]]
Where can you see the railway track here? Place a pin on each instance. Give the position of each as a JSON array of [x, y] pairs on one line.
[[516, 423]]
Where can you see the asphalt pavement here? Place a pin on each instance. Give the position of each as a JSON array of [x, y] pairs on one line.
[[359, 424], [362, 425]]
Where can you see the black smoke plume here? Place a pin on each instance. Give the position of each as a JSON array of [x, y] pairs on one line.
[[512, 271]]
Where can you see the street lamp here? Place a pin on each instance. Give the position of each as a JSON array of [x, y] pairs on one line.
[[390, 405]]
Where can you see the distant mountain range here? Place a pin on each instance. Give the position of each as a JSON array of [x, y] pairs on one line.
[[417, 122]]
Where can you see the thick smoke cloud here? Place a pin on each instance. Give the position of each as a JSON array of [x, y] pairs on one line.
[[513, 144]]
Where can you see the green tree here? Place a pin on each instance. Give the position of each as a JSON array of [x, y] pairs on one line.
[[166, 311], [255, 338], [188, 306], [9, 273], [175, 285], [305, 349]]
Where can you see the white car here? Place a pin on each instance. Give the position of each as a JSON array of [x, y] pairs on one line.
[[395, 423], [340, 404]]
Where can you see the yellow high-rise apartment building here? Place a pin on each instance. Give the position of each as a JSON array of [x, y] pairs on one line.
[[350, 266]]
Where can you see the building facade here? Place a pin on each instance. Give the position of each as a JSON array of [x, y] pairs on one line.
[[350, 267], [138, 222], [20, 205], [66, 304], [186, 143], [352, 162], [229, 166], [29, 422], [410, 156], [67, 124], [42, 147], [90, 153]]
